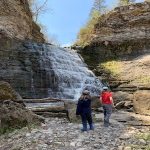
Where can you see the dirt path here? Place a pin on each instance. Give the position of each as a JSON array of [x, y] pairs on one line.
[[59, 134]]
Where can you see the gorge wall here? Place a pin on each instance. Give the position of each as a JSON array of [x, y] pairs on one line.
[[119, 52], [16, 27], [16, 21], [122, 37]]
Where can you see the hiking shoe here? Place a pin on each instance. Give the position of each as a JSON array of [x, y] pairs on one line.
[[83, 130]]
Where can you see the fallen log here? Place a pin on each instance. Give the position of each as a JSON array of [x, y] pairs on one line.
[[50, 114], [145, 125], [44, 100], [48, 109]]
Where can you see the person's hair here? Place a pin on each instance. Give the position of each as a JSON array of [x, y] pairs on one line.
[[83, 96], [105, 89]]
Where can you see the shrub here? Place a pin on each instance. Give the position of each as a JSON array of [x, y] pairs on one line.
[[86, 33]]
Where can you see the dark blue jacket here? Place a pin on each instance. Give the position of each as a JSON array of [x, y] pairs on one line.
[[83, 106]]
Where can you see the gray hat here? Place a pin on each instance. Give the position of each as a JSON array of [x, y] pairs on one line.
[[105, 88], [86, 92]]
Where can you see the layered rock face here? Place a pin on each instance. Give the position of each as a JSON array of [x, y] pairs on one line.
[[122, 38], [120, 49], [126, 23], [125, 31], [16, 21]]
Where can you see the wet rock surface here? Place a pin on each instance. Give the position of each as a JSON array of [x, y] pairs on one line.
[[59, 134]]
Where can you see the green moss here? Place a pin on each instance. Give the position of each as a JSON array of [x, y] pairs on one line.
[[6, 130], [114, 67], [145, 136], [143, 79]]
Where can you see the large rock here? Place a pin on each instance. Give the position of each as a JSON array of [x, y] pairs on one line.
[[70, 107], [122, 96], [8, 93], [95, 103], [14, 116], [142, 102], [13, 113]]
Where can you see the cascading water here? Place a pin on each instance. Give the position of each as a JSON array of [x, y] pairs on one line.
[[71, 74], [38, 70]]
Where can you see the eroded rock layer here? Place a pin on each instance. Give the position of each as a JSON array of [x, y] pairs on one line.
[[16, 21]]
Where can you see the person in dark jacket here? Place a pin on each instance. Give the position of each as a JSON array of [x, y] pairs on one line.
[[84, 110]]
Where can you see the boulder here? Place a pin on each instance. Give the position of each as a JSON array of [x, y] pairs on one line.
[[128, 104], [95, 102], [70, 107], [120, 105], [7, 92], [15, 116], [124, 105], [122, 96], [141, 102], [13, 113]]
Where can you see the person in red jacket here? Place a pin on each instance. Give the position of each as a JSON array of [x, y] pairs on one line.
[[107, 104]]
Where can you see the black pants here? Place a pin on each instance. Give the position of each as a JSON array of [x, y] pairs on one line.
[[87, 118]]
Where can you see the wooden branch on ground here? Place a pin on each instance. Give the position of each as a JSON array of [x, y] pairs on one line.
[[44, 100], [49, 109], [50, 114]]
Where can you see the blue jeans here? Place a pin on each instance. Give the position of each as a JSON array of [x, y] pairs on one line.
[[87, 118], [107, 113]]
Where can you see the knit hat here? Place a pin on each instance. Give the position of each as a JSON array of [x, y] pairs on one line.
[[105, 88], [86, 92]]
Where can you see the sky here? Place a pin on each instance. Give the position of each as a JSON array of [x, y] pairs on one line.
[[64, 18]]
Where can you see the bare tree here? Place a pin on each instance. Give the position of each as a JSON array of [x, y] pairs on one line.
[[38, 8], [98, 6], [49, 37], [126, 2]]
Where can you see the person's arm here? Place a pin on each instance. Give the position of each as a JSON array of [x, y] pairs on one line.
[[112, 101], [78, 109], [100, 99]]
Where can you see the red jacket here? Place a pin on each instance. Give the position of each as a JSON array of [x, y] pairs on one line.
[[105, 97]]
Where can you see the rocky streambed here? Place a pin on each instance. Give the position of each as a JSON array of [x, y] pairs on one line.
[[59, 134]]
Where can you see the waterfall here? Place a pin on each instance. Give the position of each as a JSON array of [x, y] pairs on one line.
[[71, 74], [37, 70]]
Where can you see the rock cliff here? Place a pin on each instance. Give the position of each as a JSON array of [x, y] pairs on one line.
[[124, 24], [119, 51], [121, 38], [16, 21]]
